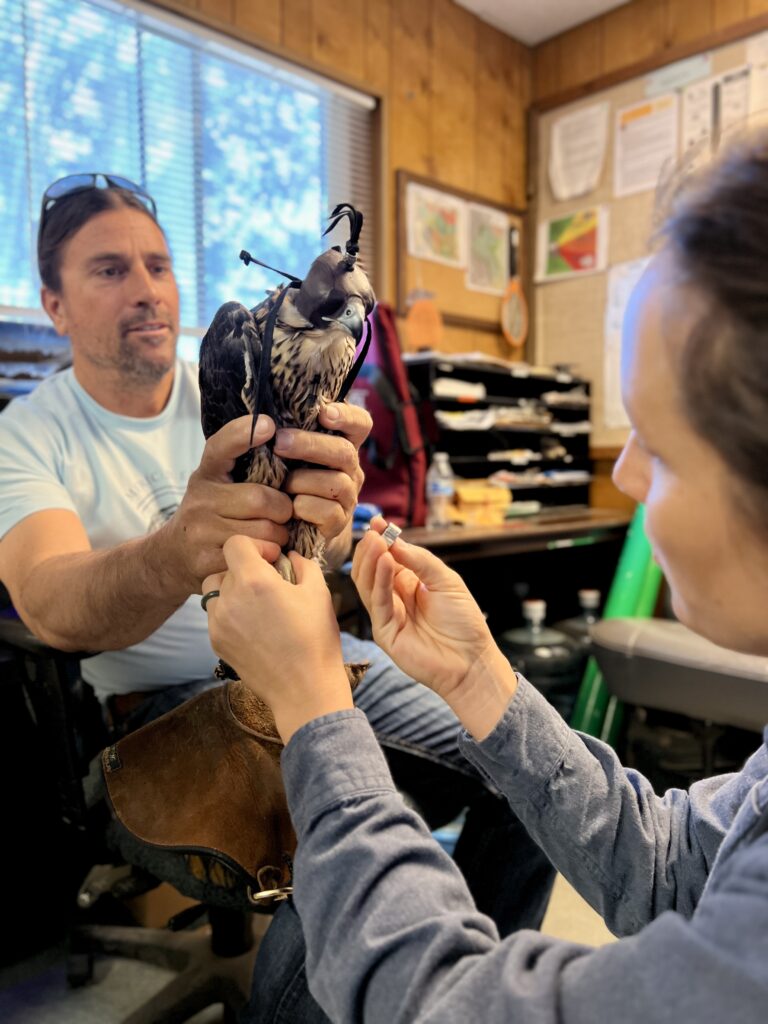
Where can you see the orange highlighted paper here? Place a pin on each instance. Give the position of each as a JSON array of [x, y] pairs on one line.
[[646, 141]]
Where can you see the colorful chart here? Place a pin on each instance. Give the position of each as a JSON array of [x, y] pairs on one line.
[[574, 244]]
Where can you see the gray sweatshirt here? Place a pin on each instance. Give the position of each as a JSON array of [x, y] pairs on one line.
[[392, 934]]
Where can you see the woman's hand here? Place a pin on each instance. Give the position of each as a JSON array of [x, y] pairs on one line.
[[281, 638], [424, 617]]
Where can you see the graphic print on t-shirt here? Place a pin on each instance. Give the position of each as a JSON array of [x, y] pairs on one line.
[[155, 498]]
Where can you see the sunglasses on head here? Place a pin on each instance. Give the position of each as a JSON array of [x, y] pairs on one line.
[[82, 182]]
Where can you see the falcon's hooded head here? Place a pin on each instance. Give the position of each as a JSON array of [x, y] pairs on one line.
[[295, 350], [336, 290]]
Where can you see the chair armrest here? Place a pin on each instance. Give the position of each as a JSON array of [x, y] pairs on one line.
[[13, 633], [659, 663]]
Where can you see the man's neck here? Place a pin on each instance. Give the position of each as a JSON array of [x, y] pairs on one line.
[[125, 396]]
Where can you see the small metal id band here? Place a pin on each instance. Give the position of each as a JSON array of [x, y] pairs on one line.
[[391, 534]]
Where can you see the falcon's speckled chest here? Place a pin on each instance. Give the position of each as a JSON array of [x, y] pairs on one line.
[[308, 367]]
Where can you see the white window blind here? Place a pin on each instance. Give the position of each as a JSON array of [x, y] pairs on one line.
[[238, 149]]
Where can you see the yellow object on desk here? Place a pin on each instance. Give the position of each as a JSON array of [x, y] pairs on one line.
[[479, 503]]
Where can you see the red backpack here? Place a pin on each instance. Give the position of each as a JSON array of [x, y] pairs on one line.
[[394, 457]]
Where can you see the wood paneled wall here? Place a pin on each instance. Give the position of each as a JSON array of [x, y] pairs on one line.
[[454, 92], [628, 35], [613, 44]]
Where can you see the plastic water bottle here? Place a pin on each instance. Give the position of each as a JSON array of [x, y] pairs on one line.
[[534, 633], [579, 626], [440, 490], [550, 660]]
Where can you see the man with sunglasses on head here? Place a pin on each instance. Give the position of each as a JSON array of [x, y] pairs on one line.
[[112, 506], [113, 510]]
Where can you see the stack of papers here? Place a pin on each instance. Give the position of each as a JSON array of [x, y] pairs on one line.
[[453, 387], [537, 478], [499, 417]]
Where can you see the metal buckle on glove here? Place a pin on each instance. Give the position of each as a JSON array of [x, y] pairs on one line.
[[278, 895]]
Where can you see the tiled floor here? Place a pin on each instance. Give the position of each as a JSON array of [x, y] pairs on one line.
[[42, 998], [569, 917], [121, 986]]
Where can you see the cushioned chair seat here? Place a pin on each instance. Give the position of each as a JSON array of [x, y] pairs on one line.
[[659, 663]]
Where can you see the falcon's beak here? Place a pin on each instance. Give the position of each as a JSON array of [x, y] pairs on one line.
[[351, 317]]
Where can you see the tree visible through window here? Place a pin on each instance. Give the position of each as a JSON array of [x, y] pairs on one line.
[[237, 152]]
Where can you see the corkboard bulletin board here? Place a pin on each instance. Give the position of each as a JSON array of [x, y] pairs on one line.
[[460, 306], [569, 314]]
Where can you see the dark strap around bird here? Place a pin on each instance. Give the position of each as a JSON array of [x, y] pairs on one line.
[[265, 360]]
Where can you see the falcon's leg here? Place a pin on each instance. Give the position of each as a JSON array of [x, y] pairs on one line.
[[307, 540], [283, 565], [269, 469]]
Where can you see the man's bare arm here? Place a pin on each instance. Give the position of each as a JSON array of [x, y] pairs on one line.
[[79, 599], [74, 598]]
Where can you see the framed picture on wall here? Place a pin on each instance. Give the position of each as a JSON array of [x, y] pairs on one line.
[[459, 249], [489, 238], [436, 225]]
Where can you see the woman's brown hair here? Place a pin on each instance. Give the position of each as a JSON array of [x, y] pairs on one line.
[[715, 224]]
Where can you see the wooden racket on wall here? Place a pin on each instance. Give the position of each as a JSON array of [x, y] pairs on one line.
[[514, 315], [514, 308]]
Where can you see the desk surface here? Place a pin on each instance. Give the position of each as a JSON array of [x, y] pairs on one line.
[[554, 528]]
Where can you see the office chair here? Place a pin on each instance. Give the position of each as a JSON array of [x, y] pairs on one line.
[[214, 964], [659, 664]]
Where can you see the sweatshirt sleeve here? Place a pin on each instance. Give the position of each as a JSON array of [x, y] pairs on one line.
[[630, 853], [392, 934]]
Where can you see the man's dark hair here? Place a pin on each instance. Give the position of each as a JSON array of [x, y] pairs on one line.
[[716, 227], [68, 215]]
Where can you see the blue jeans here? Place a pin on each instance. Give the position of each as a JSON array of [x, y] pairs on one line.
[[507, 874]]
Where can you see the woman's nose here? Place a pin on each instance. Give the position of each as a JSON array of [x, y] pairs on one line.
[[631, 471]]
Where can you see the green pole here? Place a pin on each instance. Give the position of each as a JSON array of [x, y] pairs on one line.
[[646, 605], [627, 589]]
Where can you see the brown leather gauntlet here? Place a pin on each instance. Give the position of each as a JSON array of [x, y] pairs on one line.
[[204, 781]]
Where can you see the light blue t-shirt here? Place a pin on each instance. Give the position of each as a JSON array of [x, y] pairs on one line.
[[124, 477]]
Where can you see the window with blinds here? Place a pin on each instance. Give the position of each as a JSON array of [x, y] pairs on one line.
[[238, 149]]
